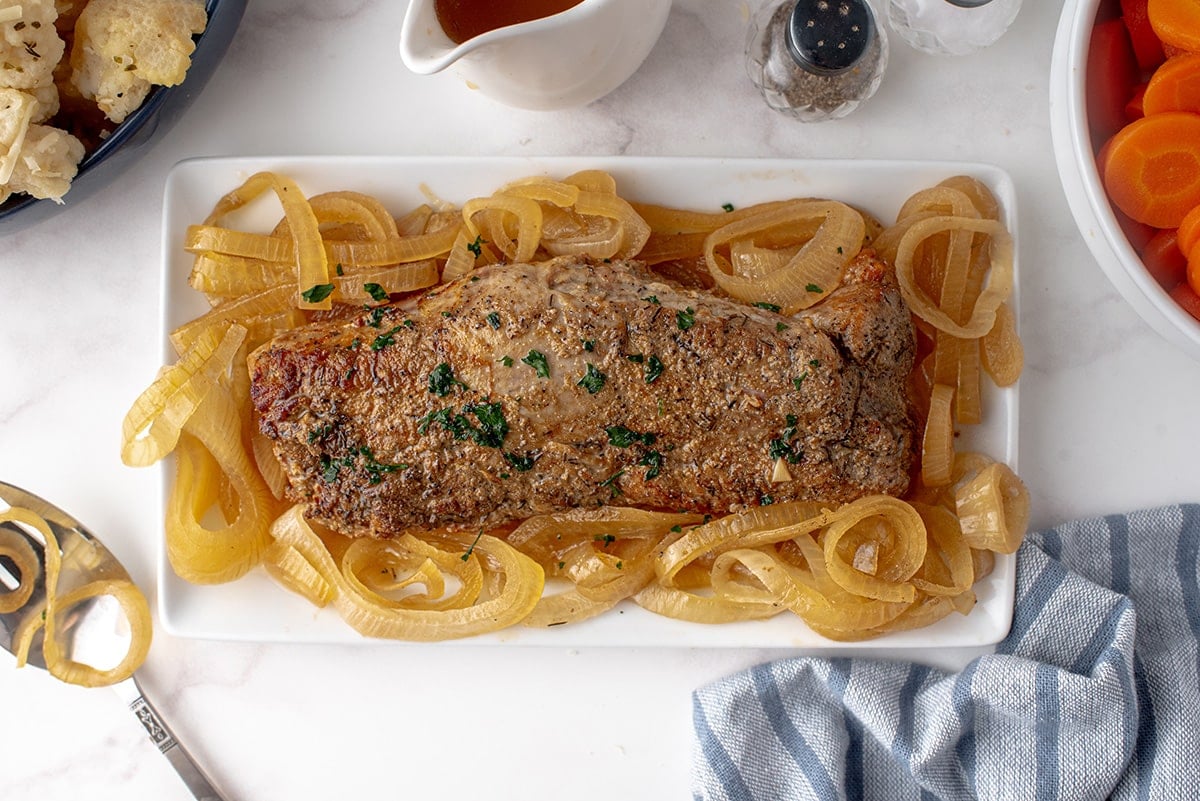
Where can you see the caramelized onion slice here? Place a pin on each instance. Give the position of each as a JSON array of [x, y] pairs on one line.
[[999, 284], [210, 462], [899, 535], [937, 442], [1001, 350], [151, 426], [993, 509], [512, 585], [810, 274], [50, 613]]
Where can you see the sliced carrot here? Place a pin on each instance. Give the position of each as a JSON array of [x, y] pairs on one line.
[[1163, 259], [1175, 86], [1135, 109], [1152, 168], [1189, 232], [1146, 45], [1193, 271], [1177, 22], [1187, 297], [1112, 73]]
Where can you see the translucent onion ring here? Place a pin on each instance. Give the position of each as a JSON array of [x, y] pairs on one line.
[[813, 272], [937, 441], [999, 284], [993, 509], [528, 215], [152, 425], [1001, 351], [17, 549], [898, 564], [46, 615], [206, 459], [518, 578]]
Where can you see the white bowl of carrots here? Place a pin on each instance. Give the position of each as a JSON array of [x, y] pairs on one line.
[[1125, 118]]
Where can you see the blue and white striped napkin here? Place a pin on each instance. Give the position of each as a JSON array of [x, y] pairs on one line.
[[1095, 693]]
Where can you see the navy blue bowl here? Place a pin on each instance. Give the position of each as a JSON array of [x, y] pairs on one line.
[[158, 113]]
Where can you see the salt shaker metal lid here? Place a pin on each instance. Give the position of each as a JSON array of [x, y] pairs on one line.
[[951, 27]]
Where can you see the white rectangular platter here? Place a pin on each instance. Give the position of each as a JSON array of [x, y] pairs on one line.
[[255, 608]]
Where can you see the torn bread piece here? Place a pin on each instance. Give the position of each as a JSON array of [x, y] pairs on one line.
[[123, 48]]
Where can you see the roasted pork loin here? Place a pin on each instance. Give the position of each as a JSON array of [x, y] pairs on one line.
[[533, 388]]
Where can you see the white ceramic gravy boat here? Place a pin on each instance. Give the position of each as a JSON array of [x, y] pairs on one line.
[[562, 61]]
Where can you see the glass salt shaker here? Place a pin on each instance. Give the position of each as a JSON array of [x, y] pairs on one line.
[[816, 59], [951, 27]]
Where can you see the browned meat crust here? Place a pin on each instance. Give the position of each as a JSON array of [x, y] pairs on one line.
[[534, 388]]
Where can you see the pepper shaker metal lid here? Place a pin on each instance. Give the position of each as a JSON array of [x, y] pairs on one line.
[[829, 35], [815, 59]]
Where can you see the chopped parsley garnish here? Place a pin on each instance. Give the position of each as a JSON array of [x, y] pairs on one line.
[[493, 319], [490, 432], [476, 247], [610, 482], [773, 307], [458, 425], [470, 550], [727, 206], [814, 287], [320, 432], [317, 293], [522, 464], [383, 340], [652, 299], [355, 344], [607, 539], [652, 460], [654, 368], [537, 360], [593, 380], [588, 344], [796, 382], [375, 318], [442, 380], [783, 447], [492, 425], [447, 314], [766, 500], [676, 529], [375, 470], [814, 363], [339, 270], [685, 319], [636, 358], [506, 361], [781, 327], [408, 323], [622, 437], [376, 291]]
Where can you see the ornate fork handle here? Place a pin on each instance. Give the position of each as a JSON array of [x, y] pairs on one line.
[[160, 734]]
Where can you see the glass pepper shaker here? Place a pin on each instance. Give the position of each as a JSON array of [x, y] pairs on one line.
[[951, 27], [816, 59]]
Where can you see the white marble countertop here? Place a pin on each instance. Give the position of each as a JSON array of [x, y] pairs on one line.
[[1108, 419]]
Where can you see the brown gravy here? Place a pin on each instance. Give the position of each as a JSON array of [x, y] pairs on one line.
[[466, 19]]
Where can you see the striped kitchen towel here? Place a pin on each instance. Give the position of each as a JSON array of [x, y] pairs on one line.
[[1095, 693]]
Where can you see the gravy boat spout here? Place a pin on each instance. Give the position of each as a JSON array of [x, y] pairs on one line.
[[562, 61]]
